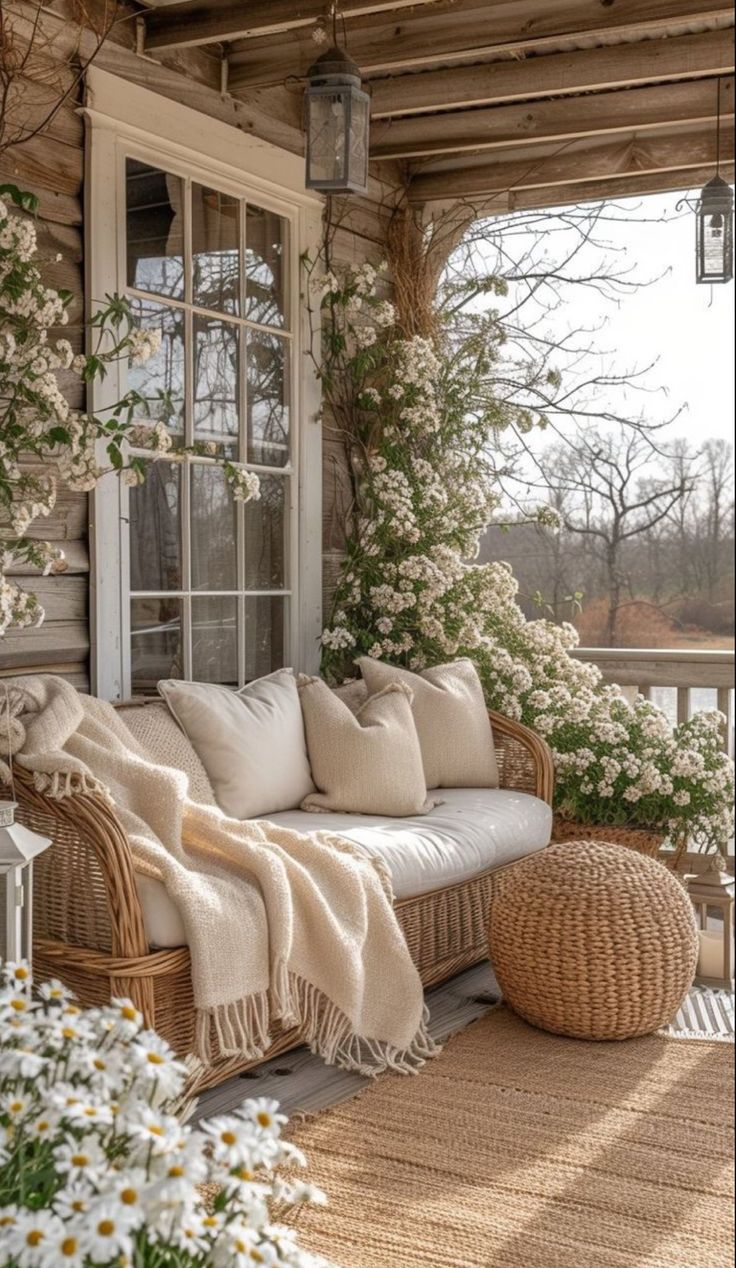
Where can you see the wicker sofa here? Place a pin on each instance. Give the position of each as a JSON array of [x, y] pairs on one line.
[[89, 926]]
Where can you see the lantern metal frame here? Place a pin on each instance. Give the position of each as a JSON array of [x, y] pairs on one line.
[[334, 76], [715, 890]]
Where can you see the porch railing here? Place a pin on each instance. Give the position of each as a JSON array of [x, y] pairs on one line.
[[680, 682]]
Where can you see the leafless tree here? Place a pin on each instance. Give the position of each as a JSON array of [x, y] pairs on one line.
[[614, 498]]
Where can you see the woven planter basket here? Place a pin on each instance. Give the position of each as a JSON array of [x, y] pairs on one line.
[[643, 840]]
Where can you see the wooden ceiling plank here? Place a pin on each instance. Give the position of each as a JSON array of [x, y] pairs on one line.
[[184, 25], [635, 156], [615, 188], [560, 119], [473, 31], [558, 74]]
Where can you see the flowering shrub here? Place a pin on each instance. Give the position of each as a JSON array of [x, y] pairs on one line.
[[95, 1167], [37, 422], [418, 428]]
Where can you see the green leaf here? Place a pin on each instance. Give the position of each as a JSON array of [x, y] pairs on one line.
[[21, 197]]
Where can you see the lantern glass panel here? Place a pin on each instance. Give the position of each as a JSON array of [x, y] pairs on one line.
[[359, 140], [327, 147]]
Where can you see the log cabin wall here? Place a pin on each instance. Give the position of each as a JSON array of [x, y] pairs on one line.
[[51, 166]]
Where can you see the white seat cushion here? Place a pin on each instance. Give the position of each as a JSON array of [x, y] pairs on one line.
[[473, 829]]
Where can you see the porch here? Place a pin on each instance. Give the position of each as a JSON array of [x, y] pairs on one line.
[[293, 487]]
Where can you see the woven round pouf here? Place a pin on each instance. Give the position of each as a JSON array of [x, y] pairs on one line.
[[592, 940]]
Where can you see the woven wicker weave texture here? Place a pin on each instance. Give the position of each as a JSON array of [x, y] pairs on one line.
[[592, 940]]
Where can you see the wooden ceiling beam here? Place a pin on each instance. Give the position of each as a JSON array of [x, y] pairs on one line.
[[637, 156], [183, 25], [616, 187], [558, 74], [472, 30], [560, 119]]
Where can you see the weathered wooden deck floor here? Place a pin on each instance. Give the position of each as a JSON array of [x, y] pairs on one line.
[[302, 1083]]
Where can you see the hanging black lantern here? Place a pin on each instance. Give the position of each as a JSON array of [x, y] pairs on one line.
[[338, 125], [714, 229], [713, 220]]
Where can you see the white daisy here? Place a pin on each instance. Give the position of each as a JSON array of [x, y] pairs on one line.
[[80, 1158], [107, 1231], [29, 1238]]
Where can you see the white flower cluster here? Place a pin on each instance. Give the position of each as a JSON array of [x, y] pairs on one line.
[[97, 1170], [408, 594], [246, 485]]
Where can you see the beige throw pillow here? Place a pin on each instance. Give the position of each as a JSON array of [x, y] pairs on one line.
[[367, 762], [251, 742], [451, 719]]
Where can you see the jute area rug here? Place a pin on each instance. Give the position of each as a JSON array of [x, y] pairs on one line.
[[526, 1150]]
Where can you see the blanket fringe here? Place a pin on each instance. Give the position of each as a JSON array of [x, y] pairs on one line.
[[231, 1030], [60, 784], [328, 1032]]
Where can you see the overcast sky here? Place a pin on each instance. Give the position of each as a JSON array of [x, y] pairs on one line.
[[688, 329]]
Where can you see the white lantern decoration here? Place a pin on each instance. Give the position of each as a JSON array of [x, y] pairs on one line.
[[712, 895], [338, 125], [18, 848]]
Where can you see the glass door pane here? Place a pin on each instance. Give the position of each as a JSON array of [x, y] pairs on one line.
[[155, 642], [155, 230], [215, 250], [154, 511], [269, 394]]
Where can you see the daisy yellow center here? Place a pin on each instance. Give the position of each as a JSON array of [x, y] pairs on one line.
[[155, 1059], [19, 1005], [175, 1172], [99, 1064], [228, 1138], [244, 1174], [34, 1237], [240, 1247], [43, 1126], [264, 1119], [6, 1220], [257, 1256], [69, 1032], [106, 1228], [90, 1111], [129, 1197], [69, 1246], [78, 1206], [209, 1221], [15, 1107], [156, 1131], [128, 1013], [21, 974]]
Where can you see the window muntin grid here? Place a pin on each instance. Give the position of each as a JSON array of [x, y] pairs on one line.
[[211, 270]]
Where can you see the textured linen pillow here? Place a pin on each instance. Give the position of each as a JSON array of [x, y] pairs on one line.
[[451, 719], [251, 742], [367, 762]]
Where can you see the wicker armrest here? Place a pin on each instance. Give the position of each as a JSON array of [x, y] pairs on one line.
[[84, 891], [524, 759]]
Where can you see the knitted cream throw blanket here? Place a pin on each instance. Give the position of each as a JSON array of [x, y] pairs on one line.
[[280, 926]]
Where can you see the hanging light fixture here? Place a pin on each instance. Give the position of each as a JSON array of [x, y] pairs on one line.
[[714, 221], [338, 122]]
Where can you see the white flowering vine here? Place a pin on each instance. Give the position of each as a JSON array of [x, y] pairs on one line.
[[96, 1167], [419, 427], [37, 422]]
